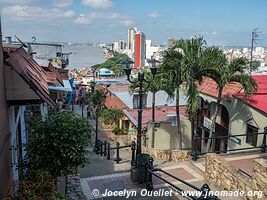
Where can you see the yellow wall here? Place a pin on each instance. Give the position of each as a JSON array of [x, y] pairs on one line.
[[239, 114], [166, 137]]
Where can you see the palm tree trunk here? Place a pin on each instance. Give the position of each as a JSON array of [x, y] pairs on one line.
[[153, 120], [214, 118], [178, 119]]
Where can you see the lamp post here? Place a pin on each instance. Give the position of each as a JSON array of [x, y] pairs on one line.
[[140, 80]]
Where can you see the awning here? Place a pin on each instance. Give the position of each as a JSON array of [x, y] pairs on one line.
[[29, 70], [66, 88]]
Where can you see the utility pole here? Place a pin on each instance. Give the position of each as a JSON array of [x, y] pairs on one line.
[[254, 39]]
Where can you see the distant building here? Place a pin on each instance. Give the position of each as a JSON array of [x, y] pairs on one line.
[[259, 50], [171, 42], [131, 37], [49, 52], [116, 46], [151, 49], [140, 49], [122, 45]]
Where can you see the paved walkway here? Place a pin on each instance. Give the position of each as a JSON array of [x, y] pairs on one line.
[[102, 175]]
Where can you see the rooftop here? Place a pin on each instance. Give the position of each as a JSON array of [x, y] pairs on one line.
[[209, 87], [258, 100], [161, 113], [122, 92], [29, 70]]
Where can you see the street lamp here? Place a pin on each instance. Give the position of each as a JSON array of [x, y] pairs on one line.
[[141, 78]]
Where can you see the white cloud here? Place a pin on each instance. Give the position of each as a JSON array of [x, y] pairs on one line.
[[69, 13], [104, 16], [62, 3], [31, 13], [153, 14], [127, 22], [209, 33], [97, 3], [83, 19], [17, 1]]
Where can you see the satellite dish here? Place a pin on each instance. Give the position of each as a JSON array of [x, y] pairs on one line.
[[23, 44]]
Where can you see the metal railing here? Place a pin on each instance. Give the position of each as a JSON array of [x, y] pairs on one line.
[[225, 139], [105, 150], [204, 191]]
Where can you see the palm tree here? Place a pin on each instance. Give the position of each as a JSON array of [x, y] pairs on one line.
[[185, 64], [234, 71], [170, 72]]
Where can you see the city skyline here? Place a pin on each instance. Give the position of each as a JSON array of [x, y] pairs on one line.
[[224, 23]]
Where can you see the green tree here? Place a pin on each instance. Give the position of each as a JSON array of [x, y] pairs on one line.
[[58, 145], [171, 79], [115, 63], [254, 66], [111, 116], [97, 97], [185, 64], [228, 72]]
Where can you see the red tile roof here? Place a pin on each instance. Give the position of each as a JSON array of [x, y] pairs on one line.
[[258, 100], [161, 113], [112, 101], [30, 71], [209, 87]]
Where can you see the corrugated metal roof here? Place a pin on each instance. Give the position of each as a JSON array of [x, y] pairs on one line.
[[161, 113], [30, 72]]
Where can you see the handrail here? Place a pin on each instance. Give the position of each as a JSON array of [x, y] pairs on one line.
[[203, 191], [182, 181], [107, 149], [245, 173], [196, 139], [176, 187]]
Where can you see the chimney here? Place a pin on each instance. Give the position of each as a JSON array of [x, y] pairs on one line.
[[9, 40]]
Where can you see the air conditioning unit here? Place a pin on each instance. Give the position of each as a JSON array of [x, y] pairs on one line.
[[171, 117]]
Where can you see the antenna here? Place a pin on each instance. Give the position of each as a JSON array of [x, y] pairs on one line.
[[254, 40], [23, 44]]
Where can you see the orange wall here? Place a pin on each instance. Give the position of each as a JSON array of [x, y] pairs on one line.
[[137, 51]]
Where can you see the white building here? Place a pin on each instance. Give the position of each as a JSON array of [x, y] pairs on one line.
[[116, 46], [151, 49], [131, 38], [259, 50]]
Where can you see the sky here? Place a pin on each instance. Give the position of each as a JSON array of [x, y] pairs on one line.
[[220, 22]]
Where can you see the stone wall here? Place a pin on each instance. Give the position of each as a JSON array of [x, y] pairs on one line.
[[74, 188], [169, 155], [259, 176], [219, 171]]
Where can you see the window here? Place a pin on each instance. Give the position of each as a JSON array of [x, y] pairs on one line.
[[252, 139], [136, 101], [59, 54]]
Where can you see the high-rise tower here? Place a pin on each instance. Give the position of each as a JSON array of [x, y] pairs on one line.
[[140, 49], [131, 37]]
